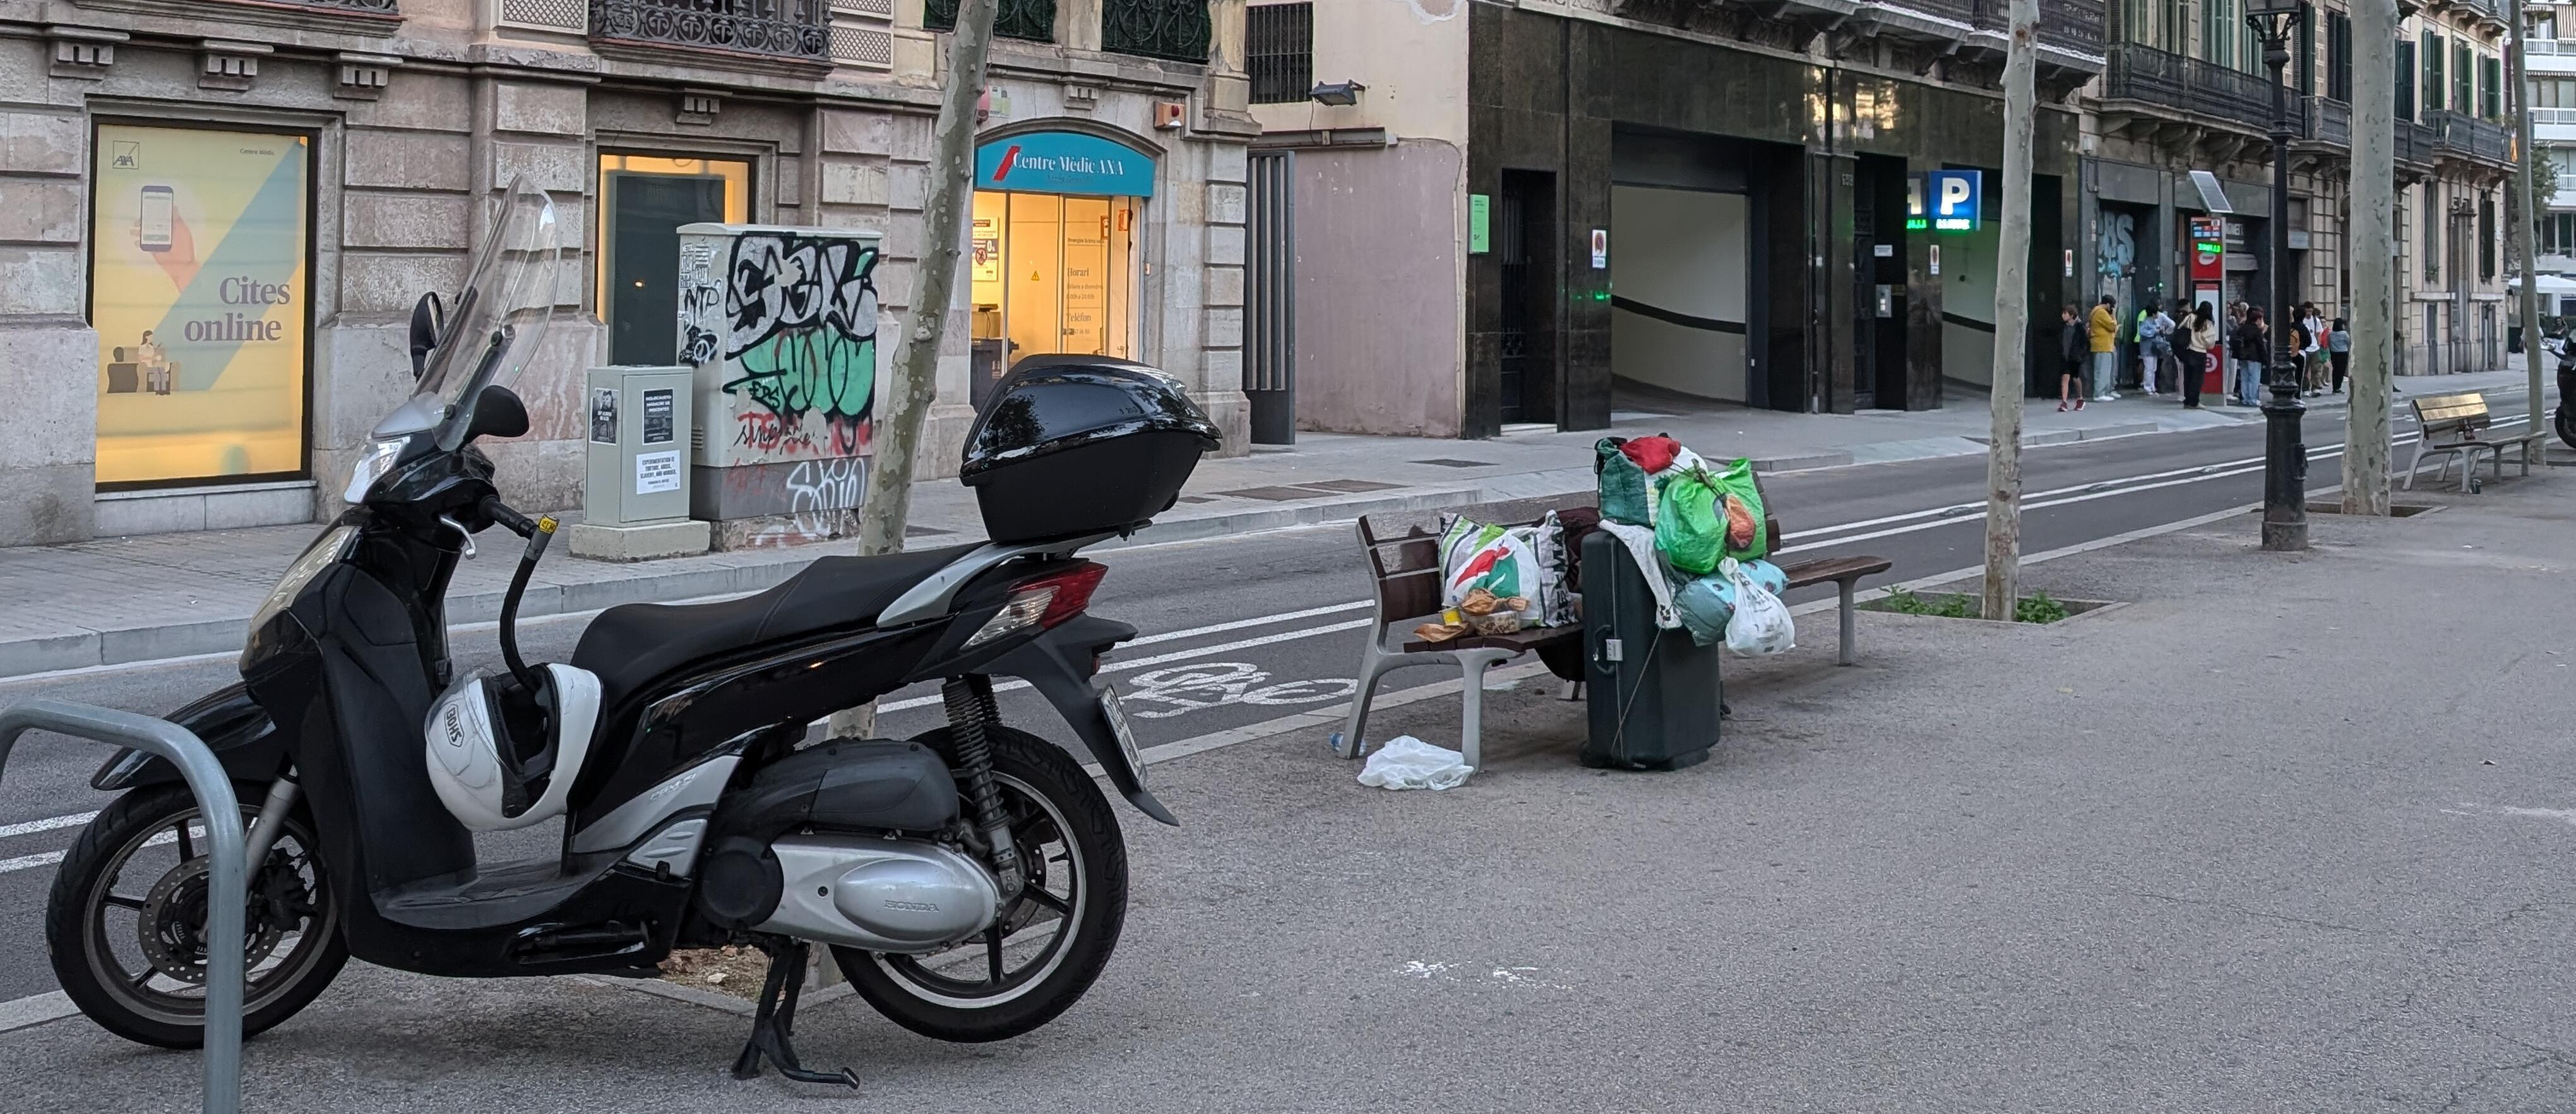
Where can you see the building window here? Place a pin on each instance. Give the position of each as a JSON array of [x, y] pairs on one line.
[[2432, 235], [2549, 92], [2491, 100], [2542, 23], [643, 201], [2464, 92], [2405, 81], [1279, 50], [2558, 234], [2432, 54], [2218, 32], [2487, 237], [2339, 56], [198, 290]]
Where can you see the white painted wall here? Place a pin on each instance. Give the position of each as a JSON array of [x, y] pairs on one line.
[[1968, 291], [1683, 251]]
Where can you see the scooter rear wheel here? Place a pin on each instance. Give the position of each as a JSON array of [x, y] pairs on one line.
[[1053, 939], [2567, 425], [125, 923]]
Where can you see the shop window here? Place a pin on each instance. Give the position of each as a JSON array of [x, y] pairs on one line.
[[1279, 51], [643, 201], [198, 289], [1052, 273]]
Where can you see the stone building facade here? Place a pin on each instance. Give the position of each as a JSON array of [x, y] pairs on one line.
[[221, 212], [2186, 91]]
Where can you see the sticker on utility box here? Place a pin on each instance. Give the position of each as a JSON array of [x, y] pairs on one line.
[[603, 415], [657, 417], [657, 472]]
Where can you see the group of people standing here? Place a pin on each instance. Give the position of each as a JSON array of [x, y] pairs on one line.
[[2190, 347]]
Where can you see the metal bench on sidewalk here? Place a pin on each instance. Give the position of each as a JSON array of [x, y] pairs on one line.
[[1404, 567], [2467, 426]]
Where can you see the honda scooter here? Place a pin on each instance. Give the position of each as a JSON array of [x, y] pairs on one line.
[[971, 882]]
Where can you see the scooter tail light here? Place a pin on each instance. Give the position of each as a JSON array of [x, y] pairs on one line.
[[1042, 603]]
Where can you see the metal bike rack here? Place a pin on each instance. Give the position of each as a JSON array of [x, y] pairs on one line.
[[222, 813]]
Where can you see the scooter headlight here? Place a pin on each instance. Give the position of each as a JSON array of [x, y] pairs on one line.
[[372, 467]]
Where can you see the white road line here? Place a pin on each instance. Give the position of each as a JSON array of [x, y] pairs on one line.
[[30, 862], [1240, 624], [46, 825]]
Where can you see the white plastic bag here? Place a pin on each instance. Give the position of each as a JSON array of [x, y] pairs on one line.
[[1409, 763], [1761, 626]]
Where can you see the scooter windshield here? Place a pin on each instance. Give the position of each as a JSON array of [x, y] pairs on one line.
[[497, 321]]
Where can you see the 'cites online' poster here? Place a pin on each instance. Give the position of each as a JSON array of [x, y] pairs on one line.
[[197, 290]]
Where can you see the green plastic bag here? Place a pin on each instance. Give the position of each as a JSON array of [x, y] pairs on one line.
[[1691, 531], [1624, 496], [1748, 527]]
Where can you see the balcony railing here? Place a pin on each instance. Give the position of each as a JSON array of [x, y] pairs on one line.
[[1174, 29], [1959, 11], [2143, 73], [1031, 20], [2070, 25], [792, 29], [2329, 121], [2415, 143], [2471, 137]]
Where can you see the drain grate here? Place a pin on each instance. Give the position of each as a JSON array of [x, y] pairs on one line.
[[1452, 462], [1350, 486], [1273, 494]]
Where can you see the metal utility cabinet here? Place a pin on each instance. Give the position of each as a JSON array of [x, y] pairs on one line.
[[635, 498]]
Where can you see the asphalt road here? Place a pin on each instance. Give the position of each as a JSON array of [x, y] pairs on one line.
[[1242, 630]]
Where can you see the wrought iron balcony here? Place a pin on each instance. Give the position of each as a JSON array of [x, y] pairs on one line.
[[2329, 122], [2415, 143], [2075, 26], [1174, 29], [1956, 11], [2463, 136], [2168, 80], [800, 30], [1030, 20]]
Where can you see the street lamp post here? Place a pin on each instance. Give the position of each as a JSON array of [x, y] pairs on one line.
[[2285, 457]]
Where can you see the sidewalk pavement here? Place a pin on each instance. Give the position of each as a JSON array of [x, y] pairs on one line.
[[2285, 833], [119, 600]]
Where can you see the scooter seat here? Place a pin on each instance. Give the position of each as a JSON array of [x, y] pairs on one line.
[[631, 644]]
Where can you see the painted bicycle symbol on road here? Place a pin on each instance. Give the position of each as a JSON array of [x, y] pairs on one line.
[[1165, 693]]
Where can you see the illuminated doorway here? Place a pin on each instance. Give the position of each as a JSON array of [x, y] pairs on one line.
[[1052, 273], [645, 199]]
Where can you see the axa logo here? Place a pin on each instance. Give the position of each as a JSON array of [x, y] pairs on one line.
[[1010, 158]]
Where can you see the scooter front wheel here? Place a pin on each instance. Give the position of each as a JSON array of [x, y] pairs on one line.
[[1052, 939], [126, 922]]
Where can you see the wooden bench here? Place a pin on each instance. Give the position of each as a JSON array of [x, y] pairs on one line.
[[2463, 419], [1404, 567]]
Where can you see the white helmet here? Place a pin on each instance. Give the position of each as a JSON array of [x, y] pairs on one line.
[[500, 760]]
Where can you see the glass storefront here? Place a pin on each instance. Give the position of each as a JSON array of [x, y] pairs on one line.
[[1055, 273], [644, 199], [197, 290], [1054, 263]]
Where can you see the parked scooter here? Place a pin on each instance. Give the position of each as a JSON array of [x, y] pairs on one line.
[[971, 882]]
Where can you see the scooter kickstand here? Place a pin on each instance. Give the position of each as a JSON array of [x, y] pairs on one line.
[[775, 1023]]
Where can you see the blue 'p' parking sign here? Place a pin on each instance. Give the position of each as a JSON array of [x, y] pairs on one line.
[[1946, 200]]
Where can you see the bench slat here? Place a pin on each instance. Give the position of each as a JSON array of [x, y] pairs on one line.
[[1827, 570]]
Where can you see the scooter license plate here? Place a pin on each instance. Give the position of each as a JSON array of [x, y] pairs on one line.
[[1117, 714]]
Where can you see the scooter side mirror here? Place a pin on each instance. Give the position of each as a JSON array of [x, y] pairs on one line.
[[427, 317], [497, 413]]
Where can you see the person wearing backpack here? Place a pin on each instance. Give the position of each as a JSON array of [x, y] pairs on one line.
[[2339, 350], [2155, 345], [2252, 340]]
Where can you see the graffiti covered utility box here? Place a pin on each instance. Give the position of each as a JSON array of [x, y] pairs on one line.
[[779, 327]]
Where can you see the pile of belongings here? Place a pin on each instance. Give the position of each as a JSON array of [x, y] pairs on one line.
[[1500, 579], [1698, 531]]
